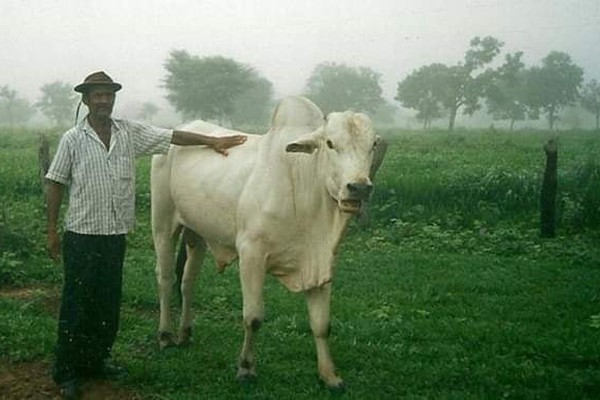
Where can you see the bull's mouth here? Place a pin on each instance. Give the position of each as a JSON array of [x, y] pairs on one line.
[[350, 205]]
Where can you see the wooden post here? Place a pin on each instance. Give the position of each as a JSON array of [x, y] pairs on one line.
[[548, 193], [44, 161]]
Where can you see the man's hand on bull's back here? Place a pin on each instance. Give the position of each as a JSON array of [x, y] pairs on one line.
[[222, 143], [219, 143]]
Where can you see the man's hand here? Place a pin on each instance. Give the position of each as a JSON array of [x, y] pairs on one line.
[[54, 197], [53, 245], [222, 143]]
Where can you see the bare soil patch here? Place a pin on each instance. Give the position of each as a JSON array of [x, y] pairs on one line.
[[47, 296], [32, 381]]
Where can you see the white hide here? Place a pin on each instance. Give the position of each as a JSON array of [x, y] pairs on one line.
[[280, 202]]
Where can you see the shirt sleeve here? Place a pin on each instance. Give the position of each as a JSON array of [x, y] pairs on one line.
[[148, 139], [60, 168]]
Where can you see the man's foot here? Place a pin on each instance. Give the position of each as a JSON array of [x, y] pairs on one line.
[[112, 371], [70, 390], [106, 371]]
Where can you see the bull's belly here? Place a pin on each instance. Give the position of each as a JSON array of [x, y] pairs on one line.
[[215, 222]]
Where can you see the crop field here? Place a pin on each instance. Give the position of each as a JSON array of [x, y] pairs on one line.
[[449, 292]]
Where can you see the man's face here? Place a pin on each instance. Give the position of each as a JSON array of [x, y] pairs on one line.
[[100, 102]]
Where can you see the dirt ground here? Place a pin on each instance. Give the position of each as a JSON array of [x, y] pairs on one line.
[[32, 381]]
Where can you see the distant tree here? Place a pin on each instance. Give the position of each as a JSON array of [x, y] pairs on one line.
[[253, 106], [8, 98], [451, 88], [506, 94], [58, 102], [148, 111], [590, 99], [337, 87], [554, 85], [13, 109], [206, 87], [464, 86], [572, 117], [385, 115], [420, 91]]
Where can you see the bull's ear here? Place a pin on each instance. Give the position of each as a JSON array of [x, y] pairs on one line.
[[306, 144]]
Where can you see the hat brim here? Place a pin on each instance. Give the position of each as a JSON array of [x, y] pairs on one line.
[[85, 87]]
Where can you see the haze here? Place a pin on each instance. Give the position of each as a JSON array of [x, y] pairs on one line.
[[45, 41]]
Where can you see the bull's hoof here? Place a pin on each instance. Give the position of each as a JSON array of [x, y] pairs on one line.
[[246, 377], [185, 336], [246, 372], [338, 388], [166, 340], [335, 386]]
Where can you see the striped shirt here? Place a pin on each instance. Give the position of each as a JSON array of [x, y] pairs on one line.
[[102, 182]]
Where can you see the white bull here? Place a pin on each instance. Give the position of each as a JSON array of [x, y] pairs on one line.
[[280, 202]]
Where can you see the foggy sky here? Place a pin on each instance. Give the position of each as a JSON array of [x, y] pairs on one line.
[[42, 41]]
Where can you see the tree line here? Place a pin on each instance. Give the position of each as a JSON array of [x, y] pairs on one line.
[[227, 91], [510, 92]]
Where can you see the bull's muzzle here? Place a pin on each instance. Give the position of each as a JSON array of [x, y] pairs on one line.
[[360, 191], [357, 193]]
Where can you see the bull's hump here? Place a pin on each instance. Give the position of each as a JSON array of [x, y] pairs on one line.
[[296, 111]]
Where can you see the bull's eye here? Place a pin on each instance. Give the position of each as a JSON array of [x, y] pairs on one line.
[[329, 144]]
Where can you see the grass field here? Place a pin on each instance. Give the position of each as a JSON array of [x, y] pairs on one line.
[[449, 294]]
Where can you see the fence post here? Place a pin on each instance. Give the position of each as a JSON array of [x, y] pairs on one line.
[[44, 161], [548, 192]]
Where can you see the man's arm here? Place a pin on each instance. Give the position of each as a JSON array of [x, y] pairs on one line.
[[55, 193], [219, 143]]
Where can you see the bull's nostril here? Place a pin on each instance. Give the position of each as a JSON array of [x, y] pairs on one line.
[[360, 189]]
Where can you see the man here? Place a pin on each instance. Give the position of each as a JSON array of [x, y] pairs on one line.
[[96, 160]]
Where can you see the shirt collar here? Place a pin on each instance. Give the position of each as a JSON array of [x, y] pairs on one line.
[[85, 125]]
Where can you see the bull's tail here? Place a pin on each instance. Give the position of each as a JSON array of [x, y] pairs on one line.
[[179, 269]]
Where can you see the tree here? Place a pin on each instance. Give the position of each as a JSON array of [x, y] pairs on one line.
[[254, 105], [440, 87], [337, 87], [506, 94], [148, 111], [206, 87], [420, 91], [58, 102], [462, 87], [590, 99], [554, 85], [386, 114], [13, 109]]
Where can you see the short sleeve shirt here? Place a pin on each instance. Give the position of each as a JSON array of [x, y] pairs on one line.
[[102, 181]]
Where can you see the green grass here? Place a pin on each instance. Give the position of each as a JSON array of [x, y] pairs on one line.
[[477, 176], [450, 294]]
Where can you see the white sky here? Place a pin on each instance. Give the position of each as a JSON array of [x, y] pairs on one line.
[[42, 41]]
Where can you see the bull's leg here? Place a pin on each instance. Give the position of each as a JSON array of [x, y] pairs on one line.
[[252, 276], [165, 274], [196, 249], [318, 300]]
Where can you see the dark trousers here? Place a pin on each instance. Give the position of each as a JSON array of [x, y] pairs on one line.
[[90, 305]]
